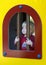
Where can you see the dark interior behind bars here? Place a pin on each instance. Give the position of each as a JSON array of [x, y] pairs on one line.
[[13, 29]]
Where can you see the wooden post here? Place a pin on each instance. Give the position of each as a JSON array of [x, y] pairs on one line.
[[18, 29], [27, 21]]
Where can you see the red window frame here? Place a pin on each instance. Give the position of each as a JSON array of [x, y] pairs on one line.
[[37, 53]]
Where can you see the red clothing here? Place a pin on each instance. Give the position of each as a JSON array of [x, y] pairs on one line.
[[23, 44]]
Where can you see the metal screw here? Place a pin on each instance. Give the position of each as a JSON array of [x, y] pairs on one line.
[[38, 56], [4, 54], [20, 6]]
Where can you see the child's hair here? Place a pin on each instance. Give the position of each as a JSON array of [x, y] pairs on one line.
[[30, 23]]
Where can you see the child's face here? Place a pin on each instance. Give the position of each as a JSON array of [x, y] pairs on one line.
[[24, 30]]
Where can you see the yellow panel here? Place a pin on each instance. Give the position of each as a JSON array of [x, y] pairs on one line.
[[40, 7]]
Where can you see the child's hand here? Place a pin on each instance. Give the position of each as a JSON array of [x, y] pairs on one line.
[[16, 39], [29, 42]]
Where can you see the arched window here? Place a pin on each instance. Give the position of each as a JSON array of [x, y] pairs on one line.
[[22, 33]]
